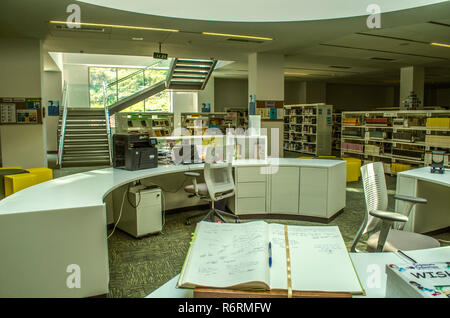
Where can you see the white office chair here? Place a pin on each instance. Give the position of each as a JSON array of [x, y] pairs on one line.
[[218, 185], [388, 239]]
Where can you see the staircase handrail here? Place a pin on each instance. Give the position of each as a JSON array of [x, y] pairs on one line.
[[142, 70], [63, 124], [108, 126]]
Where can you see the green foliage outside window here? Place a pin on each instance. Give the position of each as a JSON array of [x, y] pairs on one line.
[[137, 79]]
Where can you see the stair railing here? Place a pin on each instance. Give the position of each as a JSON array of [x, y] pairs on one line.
[[108, 126], [63, 124], [111, 89]]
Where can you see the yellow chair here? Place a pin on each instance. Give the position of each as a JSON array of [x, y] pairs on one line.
[[305, 157], [6, 168], [327, 157], [353, 169], [42, 174], [17, 182]]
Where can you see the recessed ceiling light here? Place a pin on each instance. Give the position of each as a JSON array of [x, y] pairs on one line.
[[440, 44], [293, 73], [238, 36], [117, 26]]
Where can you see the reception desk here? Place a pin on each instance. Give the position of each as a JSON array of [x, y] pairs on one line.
[[55, 232], [434, 187]]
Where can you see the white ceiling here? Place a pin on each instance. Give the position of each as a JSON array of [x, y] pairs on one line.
[[310, 47], [259, 10]]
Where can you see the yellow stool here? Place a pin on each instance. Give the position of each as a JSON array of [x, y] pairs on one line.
[[327, 157], [305, 157], [42, 174], [353, 169], [5, 168], [17, 182]]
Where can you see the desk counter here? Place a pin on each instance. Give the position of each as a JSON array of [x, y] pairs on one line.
[[51, 230]]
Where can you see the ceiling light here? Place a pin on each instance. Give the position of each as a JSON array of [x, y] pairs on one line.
[[291, 73], [238, 36], [440, 44], [117, 26], [137, 39]]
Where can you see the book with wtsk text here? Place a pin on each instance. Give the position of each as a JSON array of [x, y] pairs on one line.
[[269, 256], [418, 280]]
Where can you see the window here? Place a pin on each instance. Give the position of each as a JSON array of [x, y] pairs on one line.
[[125, 82]]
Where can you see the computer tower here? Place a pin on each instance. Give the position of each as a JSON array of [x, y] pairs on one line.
[[142, 211]]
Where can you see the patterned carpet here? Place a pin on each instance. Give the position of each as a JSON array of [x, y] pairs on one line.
[[139, 266]]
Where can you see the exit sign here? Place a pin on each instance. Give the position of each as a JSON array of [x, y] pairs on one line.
[[159, 55]]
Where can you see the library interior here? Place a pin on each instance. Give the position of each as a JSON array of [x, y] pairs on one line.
[[184, 149]]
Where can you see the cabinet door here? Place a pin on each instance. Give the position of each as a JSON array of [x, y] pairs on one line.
[[250, 206], [284, 190], [313, 192]]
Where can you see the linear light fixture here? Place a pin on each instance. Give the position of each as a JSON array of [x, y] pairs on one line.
[[292, 73], [117, 26], [238, 36], [440, 44]]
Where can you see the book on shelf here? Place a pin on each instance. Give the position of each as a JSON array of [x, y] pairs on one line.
[[256, 255], [418, 280]]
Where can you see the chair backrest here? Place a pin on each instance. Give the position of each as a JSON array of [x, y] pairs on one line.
[[376, 197], [219, 180]]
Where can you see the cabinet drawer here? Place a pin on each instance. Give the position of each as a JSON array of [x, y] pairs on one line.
[[250, 174], [251, 190], [250, 206]]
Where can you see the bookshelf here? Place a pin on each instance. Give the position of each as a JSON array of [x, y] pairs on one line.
[[308, 129], [242, 116], [400, 139], [203, 121], [336, 133], [156, 124]]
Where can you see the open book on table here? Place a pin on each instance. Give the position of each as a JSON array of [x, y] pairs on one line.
[[236, 256]]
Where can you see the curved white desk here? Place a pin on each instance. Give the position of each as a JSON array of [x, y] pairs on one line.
[[49, 226], [436, 189]]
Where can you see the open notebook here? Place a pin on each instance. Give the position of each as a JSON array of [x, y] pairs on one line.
[[236, 256]]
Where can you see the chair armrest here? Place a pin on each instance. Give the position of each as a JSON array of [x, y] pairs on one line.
[[389, 216], [410, 199], [192, 174]]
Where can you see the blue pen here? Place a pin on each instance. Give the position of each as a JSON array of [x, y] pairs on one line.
[[270, 254]]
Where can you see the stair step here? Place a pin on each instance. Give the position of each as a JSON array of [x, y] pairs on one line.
[[86, 145], [83, 120], [190, 72], [70, 141], [201, 78], [192, 68], [85, 129], [86, 136], [195, 62], [90, 154]]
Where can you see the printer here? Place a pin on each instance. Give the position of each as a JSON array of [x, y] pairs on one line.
[[134, 151]]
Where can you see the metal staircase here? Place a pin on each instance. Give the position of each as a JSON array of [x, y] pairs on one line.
[[183, 74], [85, 140], [190, 74]]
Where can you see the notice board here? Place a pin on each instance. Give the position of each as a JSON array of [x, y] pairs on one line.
[[20, 110]]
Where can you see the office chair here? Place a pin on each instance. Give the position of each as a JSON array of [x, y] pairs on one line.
[[391, 237], [218, 185]]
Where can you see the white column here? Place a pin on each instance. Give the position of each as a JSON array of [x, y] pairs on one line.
[[266, 81], [412, 79]]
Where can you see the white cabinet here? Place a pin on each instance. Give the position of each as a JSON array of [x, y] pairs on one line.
[[284, 187], [316, 190], [251, 189], [313, 192]]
